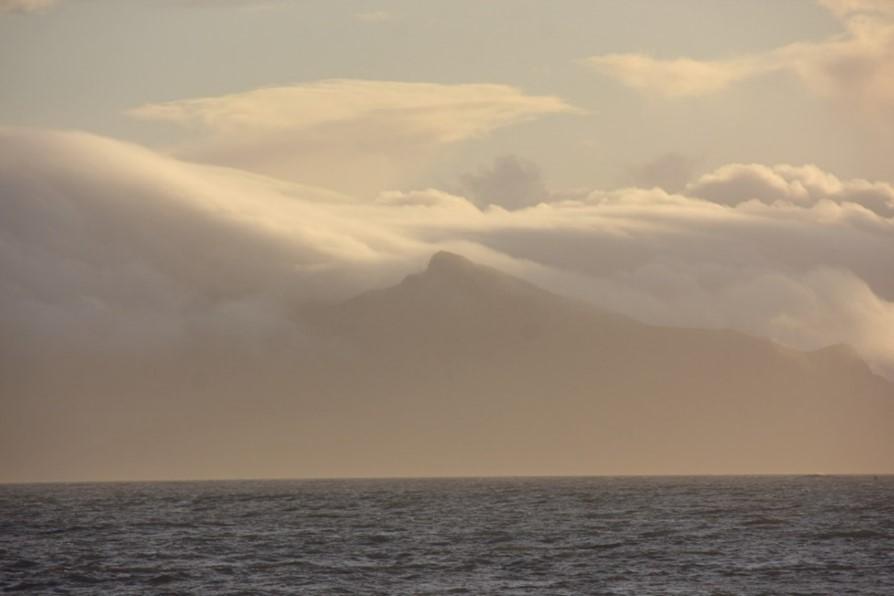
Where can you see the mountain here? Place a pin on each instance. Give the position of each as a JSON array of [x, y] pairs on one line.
[[488, 373], [457, 370]]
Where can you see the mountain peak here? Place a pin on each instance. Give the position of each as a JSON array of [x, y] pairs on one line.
[[457, 270], [443, 261], [447, 269]]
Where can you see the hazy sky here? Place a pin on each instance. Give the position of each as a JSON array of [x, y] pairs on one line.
[[87, 64], [523, 133], [182, 174]]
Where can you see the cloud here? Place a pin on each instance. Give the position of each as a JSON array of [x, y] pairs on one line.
[[511, 182], [26, 6], [428, 200], [846, 8], [855, 67], [804, 185], [107, 240], [670, 171], [681, 77], [348, 134], [108, 246]]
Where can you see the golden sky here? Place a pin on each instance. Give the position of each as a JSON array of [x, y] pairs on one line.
[[182, 173]]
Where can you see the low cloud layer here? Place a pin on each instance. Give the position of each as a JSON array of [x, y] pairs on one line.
[[108, 242], [855, 67], [800, 185], [112, 246], [347, 134]]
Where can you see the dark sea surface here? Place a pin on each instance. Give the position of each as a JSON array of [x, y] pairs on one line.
[[637, 536]]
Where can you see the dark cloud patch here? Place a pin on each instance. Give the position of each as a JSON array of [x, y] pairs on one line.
[[511, 182], [670, 171]]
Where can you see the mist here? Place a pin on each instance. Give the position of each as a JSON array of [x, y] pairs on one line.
[[159, 316]]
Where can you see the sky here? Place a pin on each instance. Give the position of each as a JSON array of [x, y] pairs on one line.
[[180, 171], [97, 65]]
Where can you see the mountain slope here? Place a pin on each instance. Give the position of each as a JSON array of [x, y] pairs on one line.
[[536, 382], [457, 370]]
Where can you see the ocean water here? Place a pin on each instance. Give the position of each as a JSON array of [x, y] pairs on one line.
[[637, 536]]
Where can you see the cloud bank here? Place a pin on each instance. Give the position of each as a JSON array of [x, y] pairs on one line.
[[801, 185], [377, 130], [855, 67], [113, 247]]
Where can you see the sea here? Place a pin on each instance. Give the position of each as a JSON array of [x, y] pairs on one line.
[[622, 535]]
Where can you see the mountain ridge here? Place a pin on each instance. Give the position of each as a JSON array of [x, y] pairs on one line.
[[449, 271], [489, 355], [461, 370]]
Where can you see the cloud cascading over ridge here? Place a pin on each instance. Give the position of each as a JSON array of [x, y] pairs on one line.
[[312, 132], [855, 67], [113, 246], [108, 240]]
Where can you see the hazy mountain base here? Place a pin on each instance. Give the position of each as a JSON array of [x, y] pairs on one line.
[[460, 370]]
